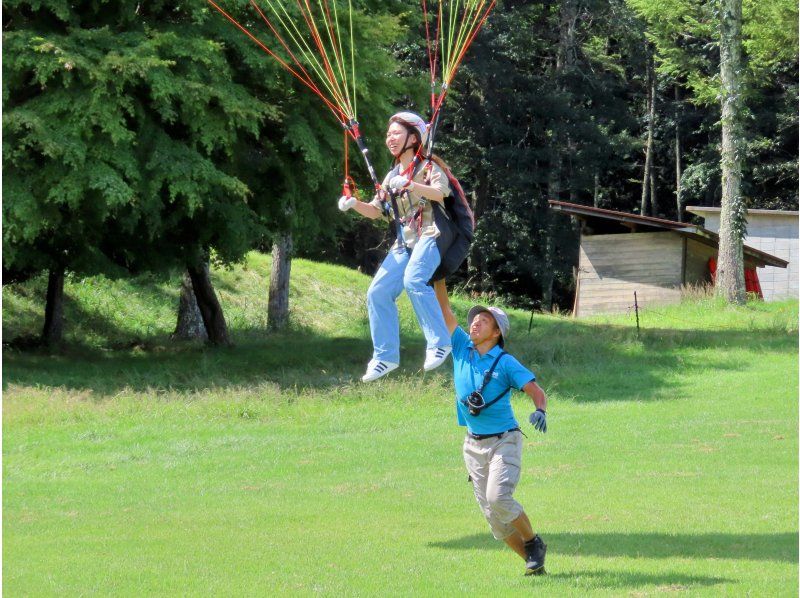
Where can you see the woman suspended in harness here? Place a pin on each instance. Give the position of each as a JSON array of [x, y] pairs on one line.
[[414, 257]]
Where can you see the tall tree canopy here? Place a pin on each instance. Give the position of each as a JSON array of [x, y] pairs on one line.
[[150, 136]]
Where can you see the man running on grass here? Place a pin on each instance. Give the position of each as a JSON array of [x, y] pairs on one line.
[[484, 375]]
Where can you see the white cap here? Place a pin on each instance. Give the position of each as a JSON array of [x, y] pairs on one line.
[[499, 316], [414, 120]]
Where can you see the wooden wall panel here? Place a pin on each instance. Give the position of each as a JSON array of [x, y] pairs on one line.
[[612, 267]]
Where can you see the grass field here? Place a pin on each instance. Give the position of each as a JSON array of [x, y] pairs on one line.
[[133, 465]]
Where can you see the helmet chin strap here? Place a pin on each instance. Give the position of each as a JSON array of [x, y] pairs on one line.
[[405, 145]]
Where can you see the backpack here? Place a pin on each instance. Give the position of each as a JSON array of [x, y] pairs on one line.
[[458, 208], [456, 224]]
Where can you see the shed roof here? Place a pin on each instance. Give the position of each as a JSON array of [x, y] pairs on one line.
[[600, 218], [702, 210]]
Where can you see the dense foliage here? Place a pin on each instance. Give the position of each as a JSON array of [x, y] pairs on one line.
[[140, 136], [553, 105], [146, 136]]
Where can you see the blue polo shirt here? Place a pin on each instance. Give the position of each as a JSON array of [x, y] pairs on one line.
[[469, 369]]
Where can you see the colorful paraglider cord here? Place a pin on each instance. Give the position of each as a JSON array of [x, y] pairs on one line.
[[314, 55]]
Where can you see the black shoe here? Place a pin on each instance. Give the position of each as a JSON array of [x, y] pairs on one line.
[[535, 550]]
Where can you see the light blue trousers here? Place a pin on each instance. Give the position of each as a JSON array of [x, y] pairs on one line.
[[410, 272]]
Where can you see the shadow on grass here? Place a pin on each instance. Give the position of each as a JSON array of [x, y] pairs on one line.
[[572, 359], [755, 547], [665, 582]]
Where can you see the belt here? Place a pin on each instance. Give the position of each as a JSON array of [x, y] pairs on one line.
[[485, 436]]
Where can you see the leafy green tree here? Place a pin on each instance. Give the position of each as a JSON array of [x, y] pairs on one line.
[[156, 136], [119, 120], [686, 34], [543, 112]]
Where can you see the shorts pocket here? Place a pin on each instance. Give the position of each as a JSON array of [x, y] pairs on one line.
[[508, 470]]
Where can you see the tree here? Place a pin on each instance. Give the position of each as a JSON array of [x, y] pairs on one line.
[[128, 132], [733, 216], [53, 330], [687, 39], [700, 51], [278, 307], [119, 126], [190, 322], [648, 179], [543, 111]]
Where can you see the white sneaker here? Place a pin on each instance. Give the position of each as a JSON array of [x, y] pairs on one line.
[[435, 357], [377, 368]]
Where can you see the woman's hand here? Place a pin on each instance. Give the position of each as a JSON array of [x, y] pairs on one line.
[[401, 183]]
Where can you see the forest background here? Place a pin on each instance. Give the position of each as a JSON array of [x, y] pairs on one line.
[[156, 137]]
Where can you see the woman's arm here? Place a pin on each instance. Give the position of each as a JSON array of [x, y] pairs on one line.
[[428, 192], [432, 192], [367, 210]]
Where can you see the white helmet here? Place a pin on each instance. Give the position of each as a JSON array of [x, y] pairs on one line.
[[413, 120]]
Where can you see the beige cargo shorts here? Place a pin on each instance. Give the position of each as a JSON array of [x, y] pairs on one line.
[[494, 467]]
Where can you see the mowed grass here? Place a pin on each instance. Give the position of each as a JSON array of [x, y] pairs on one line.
[[134, 465]]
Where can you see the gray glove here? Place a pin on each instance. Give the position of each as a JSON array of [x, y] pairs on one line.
[[538, 420]]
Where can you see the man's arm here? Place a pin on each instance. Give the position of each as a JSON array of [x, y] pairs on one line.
[[539, 417], [535, 392], [450, 320]]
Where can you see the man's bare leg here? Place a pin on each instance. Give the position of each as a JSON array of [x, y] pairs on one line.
[[523, 526], [516, 541], [516, 544]]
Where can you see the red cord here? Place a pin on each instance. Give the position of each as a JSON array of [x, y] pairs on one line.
[[347, 190]]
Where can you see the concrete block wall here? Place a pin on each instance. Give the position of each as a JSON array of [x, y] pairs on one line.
[[772, 232]]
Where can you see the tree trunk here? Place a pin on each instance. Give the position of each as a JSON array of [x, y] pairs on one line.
[[553, 192], [190, 324], [566, 40], [210, 309], [596, 194], [651, 118], [678, 156], [653, 198], [53, 330], [733, 215], [565, 58], [278, 308]]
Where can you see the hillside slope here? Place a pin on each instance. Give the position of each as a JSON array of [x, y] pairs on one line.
[[128, 322]]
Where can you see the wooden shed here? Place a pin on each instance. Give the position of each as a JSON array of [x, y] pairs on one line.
[[623, 253]]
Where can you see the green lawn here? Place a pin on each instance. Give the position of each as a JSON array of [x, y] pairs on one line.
[[133, 465]]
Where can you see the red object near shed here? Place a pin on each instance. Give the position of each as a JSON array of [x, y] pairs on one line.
[[751, 284]]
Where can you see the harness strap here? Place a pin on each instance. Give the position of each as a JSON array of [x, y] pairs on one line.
[[398, 223], [486, 378], [416, 216], [494, 400]]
